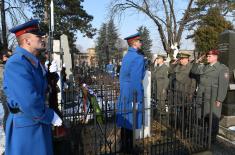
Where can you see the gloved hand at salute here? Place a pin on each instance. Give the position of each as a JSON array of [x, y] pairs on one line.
[[57, 121]]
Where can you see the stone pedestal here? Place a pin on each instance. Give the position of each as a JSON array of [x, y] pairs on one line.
[[226, 133], [203, 153], [227, 121], [145, 131], [67, 56]]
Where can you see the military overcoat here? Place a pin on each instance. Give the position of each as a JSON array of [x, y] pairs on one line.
[[28, 131], [213, 85], [161, 81], [185, 82], [131, 76]]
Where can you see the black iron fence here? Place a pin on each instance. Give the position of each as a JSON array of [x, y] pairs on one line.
[[90, 115]]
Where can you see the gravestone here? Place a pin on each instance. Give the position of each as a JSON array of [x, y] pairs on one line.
[[67, 58], [144, 131], [57, 58], [227, 57]]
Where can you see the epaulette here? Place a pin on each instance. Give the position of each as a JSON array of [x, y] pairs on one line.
[[31, 61], [224, 66]]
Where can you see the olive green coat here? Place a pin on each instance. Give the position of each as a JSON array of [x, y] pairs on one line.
[[161, 81], [213, 85], [184, 83]]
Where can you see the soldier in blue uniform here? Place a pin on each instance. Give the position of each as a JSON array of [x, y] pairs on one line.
[[28, 127], [131, 92], [110, 69]]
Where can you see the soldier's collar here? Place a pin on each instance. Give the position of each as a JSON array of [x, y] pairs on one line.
[[29, 56], [132, 49], [161, 64], [215, 64]]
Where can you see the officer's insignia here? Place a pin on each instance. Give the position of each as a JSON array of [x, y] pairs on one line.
[[31, 61], [226, 75]]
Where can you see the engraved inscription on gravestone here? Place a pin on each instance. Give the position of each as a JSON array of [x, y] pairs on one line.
[[224, 47]]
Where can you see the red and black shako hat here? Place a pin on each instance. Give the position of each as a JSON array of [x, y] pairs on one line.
[[31, 26], [133, 37]]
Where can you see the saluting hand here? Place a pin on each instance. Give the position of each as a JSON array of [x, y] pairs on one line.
[[175, 62], [200, 59]]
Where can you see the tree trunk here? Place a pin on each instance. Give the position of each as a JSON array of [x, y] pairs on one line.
[[107, 54], [46, 11], [3, 21]]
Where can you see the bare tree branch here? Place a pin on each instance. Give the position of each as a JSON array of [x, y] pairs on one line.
[[14, 10], [169, 29], [168, 21], [183, 21], [171, 2]]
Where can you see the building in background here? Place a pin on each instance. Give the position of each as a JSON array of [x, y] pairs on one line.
[[88, 58]]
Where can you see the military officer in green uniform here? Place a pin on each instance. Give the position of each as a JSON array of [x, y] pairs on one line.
[[185, 83], [213, 85], [161, 80]]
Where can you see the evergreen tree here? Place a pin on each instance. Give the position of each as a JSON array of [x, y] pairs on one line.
[[121, 46], [207, 34], [101, 44], [69, 18], [112, 37], [146, 41], [106, 43]]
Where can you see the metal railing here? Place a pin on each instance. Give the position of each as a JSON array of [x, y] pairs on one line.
[[177, 128]]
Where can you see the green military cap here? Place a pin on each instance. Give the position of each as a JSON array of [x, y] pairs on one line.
[[183, 55]]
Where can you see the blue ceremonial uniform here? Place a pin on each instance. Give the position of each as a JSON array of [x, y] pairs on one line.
[[28, 131], [110, 69], [131, 76]]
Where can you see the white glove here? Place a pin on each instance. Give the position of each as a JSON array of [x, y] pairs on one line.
[[53, 67], [136, 105], [46, 64], [66, 86], [57, 121]]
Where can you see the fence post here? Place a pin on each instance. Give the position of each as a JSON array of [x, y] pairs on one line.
[[134, 117], [210, 121]]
